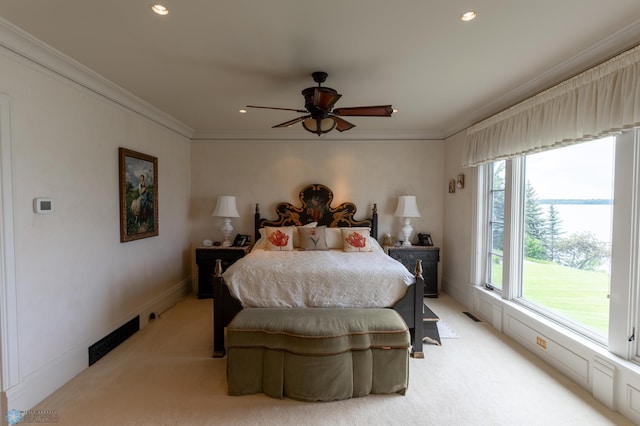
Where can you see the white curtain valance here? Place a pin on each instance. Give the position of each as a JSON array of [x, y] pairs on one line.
[[598, 102]]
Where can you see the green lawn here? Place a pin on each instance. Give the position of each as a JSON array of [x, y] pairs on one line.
[[581, 296]]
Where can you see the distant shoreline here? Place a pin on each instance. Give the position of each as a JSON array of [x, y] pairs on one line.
[[590, 201]]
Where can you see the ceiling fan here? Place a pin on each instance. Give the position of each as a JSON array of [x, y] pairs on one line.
[[320, 116]]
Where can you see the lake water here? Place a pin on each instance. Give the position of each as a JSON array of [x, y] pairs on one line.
[[595, 218]]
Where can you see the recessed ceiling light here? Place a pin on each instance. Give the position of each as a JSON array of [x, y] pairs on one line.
[[159, 9], [469, 16], [242, 111]]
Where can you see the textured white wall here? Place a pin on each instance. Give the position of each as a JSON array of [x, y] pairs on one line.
[[75, 281], [458, 210], [267, 172]]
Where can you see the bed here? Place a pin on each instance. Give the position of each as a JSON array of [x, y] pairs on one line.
[[317, 255]]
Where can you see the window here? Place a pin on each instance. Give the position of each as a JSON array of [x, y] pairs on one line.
[[568, 206], [559, 231], [496, 226]]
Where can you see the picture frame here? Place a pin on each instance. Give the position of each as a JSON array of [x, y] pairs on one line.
[[460, 181], [425, 240], [452, 186], [138, 185], [241, 240]]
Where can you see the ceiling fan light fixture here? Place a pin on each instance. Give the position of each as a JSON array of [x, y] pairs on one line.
[[159, 9], [469, 16], [319, 125]]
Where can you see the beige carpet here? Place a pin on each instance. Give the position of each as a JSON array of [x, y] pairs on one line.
[[164, 375]]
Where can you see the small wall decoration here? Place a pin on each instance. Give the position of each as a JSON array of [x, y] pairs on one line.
[[138, 181], [460, 181], [452, 186]]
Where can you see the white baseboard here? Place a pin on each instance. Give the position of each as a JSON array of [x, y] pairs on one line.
[[37, 386], [613, 381]]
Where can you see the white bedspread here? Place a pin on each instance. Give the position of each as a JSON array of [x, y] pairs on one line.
[[330, 278]]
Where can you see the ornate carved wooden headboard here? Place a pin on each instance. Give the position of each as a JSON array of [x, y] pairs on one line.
[[315, 206]]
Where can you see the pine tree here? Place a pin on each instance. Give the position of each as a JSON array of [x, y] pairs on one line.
[[498, 205], [535, 225], [553, 231]]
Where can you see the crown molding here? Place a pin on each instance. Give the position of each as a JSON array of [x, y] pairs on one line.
[[31, 49], [300, 135]]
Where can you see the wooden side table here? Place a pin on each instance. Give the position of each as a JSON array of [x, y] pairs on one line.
[[429, 255], [206, 261]]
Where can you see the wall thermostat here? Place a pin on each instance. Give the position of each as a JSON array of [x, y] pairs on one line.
[[43, 205]]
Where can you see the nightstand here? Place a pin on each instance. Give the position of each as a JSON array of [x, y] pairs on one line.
[[206, 261], [429, 256]]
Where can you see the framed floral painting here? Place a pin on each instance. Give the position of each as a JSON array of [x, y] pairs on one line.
[[138, 182]]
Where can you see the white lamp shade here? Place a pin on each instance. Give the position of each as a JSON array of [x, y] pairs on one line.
[[226, 207], [407, 206]]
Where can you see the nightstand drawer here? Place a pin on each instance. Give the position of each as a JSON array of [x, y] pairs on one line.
[[430, 256], [409, 255]]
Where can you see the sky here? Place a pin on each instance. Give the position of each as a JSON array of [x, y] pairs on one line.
[[579, 171]]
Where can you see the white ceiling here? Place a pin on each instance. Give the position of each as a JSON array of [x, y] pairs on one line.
[[207, 59]]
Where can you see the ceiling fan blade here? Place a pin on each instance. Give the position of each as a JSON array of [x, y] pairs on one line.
[[365, 111], [325, 98], [283, 109], [291, 122], [342, 124]]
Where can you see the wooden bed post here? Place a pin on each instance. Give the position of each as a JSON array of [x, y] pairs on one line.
[[418, 312], [218, 322], [225, 307], [374, 221], [256, 224]]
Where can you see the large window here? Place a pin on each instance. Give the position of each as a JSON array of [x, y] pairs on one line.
[[568, 202], [561, 221]]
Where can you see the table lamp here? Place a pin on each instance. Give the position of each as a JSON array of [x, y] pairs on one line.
[[226, 208], [407, 208]]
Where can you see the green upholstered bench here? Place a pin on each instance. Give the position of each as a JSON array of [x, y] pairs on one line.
[[317, 354]]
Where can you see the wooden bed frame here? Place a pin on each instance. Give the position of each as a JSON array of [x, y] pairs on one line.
[[316, 206]]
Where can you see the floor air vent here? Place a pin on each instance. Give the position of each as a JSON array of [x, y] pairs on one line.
[[110, 341], [473, 317]]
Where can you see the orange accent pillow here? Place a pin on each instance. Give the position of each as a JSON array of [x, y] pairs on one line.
[[356, 239], [279, 238]]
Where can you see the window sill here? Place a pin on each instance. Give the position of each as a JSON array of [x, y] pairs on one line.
[[565, 337]]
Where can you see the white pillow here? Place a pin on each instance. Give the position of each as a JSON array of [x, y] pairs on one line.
[[356, 239], [375, 245], [261, 244], [334, 238], [279, 238]]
